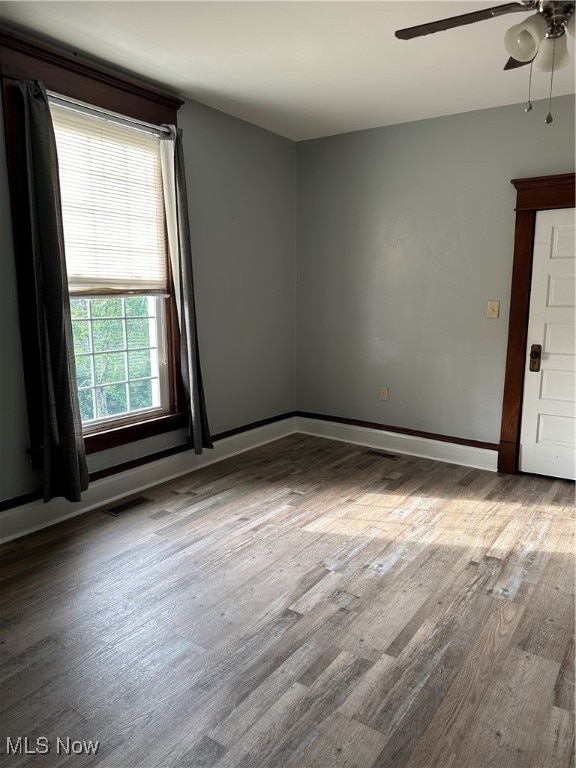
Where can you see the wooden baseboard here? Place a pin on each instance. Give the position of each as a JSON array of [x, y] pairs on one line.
[[27, 513], [34, 515], [508, 458], [426, 445], [399, 430]]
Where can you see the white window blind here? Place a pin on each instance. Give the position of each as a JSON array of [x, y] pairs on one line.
[[112, 204]]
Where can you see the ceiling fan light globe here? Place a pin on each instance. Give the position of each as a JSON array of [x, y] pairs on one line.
[[522, 40], [571, 26], [537, 26], [548, 53], [520, 44]]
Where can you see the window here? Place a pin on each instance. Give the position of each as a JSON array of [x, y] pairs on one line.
[[116, 258], [119, 346], [79, 80]]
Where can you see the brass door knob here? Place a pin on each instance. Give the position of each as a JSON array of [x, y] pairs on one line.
[[535, 357]]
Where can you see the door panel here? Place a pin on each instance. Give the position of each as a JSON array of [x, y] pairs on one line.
[[547, 444], [558, 385]]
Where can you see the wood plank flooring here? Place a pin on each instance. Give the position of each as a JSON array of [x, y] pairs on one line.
[[309, 604]]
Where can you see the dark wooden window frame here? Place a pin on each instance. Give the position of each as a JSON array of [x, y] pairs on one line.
[[22, 58], [532, 195]]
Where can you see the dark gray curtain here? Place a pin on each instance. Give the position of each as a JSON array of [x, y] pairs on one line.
[[198, 431], [61, 450]]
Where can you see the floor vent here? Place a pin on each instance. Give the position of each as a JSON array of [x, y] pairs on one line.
[[118, 509], [384, 455]]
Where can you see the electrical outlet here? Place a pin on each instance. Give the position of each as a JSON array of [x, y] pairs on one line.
[[383, 393], [493, 309]]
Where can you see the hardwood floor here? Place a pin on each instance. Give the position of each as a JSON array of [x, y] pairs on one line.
[[309, 604]]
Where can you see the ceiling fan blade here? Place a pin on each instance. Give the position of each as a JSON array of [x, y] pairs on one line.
[[514, 63], [459, 21]]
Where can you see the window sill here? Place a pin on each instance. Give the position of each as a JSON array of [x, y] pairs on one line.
[[130, 433]]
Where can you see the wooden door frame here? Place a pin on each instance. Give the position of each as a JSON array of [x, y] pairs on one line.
[[532, 195]]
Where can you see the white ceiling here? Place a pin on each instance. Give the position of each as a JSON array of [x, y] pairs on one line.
[[301, 69]]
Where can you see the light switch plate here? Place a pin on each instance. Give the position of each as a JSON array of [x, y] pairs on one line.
[[493, 309], [383, 393]]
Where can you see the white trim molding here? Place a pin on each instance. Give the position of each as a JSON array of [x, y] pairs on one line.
[[453, 453], [33, 516]]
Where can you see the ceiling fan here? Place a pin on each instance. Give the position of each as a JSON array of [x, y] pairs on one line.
[[540, 38]]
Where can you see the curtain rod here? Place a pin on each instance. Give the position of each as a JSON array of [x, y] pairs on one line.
[[115, 117]]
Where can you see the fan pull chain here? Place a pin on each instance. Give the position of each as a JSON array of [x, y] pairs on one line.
[[549, 117], [528, 107]]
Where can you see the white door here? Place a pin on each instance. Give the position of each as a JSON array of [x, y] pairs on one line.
[[548, 430]]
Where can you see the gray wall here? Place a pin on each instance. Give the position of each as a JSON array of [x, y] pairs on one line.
[[404, 233], [242, 196]]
